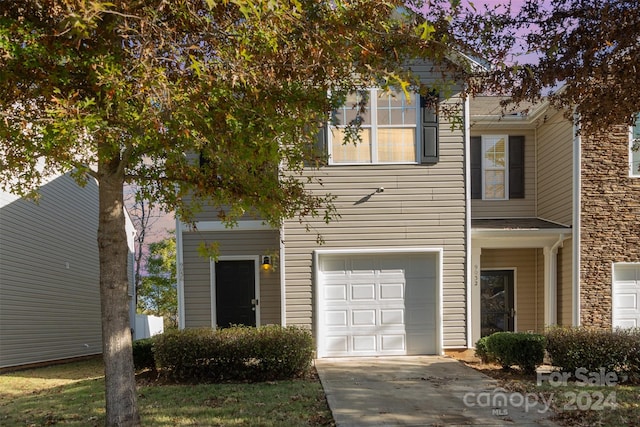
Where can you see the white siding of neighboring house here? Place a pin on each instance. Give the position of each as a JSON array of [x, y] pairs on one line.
[[49, 274]]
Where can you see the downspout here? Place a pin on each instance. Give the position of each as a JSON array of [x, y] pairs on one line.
[[180, 274], [577, 201], [467, 225]]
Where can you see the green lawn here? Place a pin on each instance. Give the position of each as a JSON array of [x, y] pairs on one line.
[[73, 394]]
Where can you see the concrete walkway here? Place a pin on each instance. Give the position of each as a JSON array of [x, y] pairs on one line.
[[422, 391]]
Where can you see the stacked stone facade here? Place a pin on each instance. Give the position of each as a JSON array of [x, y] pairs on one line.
[[610, 220]]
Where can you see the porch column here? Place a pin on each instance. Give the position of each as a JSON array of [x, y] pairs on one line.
[[551, 282], [475, 294], [550, 285]]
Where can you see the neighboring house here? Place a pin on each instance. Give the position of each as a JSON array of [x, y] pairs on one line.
[[445, 235], [49, 274]]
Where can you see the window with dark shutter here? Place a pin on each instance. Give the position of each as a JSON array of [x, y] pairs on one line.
[[516, 167], [430, 150]]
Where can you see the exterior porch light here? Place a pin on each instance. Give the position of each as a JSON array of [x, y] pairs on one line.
[[266, 262]]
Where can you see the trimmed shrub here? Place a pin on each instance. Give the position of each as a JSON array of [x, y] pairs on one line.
[[517, 348], [143, 354], [482, 352], [594, 349], [633, 358], [238, 353]]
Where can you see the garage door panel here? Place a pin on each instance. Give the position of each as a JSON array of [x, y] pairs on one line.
[[373, 309], [363, 291], [626, 300], [334, 266], [364, 343], [335, 292], [392, 317], [337, 344], [363, 317], [626, 295], [336, 318], [390, 343], [392, 291]]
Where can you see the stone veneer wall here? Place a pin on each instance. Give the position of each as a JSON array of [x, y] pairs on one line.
[[610, 220]]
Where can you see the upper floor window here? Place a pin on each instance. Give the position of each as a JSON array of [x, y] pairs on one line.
[[497, 167], [393, 129], [494, 167], [634, 148]]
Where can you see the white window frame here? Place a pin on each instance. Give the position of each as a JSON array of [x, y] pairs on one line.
[[634, 156], [373, 127], [485, 139]]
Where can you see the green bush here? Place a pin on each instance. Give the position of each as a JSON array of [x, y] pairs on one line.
[[633, 358], [238, 353], [482, 352], [517, 348], [143, 354], [594, 349]]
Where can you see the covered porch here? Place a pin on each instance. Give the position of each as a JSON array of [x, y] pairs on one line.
[[521, 275]]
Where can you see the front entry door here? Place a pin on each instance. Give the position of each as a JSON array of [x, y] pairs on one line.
[[497, 307], [235, 288]]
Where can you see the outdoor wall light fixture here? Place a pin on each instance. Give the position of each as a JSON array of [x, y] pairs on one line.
[[266, 262]]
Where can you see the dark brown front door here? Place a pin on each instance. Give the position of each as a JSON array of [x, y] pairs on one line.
[[497, 306]]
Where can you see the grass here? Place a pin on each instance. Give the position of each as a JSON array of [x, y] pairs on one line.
[[73, 394], [573, 404]]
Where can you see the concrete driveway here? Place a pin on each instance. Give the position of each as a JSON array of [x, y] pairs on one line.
[[422, 391]]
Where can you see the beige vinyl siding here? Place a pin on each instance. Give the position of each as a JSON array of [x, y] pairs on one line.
[[514, 208], [565, 284], [555, 167], [197, 272], [421, 206], [529, 282], [49, 275]]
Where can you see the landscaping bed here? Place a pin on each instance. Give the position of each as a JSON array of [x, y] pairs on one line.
[[594, 380]]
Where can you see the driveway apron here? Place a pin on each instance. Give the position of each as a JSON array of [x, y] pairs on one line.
[[422, 391]]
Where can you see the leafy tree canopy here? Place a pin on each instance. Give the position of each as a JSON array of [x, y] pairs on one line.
[[586, 57], [124, 91], [137, 84]]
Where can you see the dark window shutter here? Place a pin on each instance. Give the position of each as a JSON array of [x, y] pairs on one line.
[[516, 167], [321, 141], [476, 167], [430, 150], [318, 151]]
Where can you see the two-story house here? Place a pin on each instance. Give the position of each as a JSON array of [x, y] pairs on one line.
[[445, 234]]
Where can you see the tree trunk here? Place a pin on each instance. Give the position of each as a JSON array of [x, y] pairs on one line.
[[121, 405]]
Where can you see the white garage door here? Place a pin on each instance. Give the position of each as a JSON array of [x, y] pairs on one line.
[[626, 295], [377, 304]]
